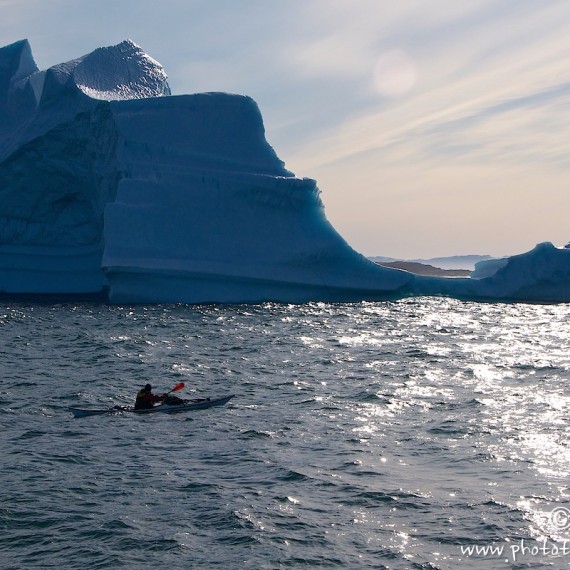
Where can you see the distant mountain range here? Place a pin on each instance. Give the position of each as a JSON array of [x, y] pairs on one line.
[[456, 262]]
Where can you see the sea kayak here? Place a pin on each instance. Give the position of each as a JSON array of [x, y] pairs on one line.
[[186, 406]]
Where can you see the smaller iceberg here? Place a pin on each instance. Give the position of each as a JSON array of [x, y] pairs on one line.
[[541, 275]]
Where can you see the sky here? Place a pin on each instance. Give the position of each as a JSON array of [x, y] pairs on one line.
[[433, 128]]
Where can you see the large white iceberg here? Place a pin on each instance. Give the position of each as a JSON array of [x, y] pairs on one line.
[[108, 183]]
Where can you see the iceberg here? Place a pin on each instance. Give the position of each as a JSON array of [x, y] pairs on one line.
[[541, 275], [109, 184]]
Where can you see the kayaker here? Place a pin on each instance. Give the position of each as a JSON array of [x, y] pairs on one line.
[[146, 399]]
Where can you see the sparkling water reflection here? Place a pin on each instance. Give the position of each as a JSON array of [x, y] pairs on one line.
[[362, 435]]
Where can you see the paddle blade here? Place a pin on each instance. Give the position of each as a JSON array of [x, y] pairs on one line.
[[178, 387]]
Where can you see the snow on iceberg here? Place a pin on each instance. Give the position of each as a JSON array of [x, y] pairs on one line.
[[109, 182]]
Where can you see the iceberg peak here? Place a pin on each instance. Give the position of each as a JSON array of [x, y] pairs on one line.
[[32, 101], [120, 72], [115, 73], [16, 63]]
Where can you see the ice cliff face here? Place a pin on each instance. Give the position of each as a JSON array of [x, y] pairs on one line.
[[110, 183], [206, 211]]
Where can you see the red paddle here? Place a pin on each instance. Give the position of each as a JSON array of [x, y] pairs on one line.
[[177, 388]]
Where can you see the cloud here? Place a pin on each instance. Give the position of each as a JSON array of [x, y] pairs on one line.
[[472, 114], [332, 55], [529, 128]]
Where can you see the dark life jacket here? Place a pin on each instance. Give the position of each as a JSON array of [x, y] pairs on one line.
[[144, 400]]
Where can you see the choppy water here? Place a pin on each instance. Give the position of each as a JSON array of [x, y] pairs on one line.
[[373, 435]]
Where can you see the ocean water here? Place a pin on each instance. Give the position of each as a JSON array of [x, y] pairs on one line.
[[421, 434]]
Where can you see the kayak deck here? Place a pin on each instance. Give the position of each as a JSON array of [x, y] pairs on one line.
[[188, 405]]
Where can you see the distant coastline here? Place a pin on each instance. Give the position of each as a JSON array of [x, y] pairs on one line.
[[424, 269], [452, 266]]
